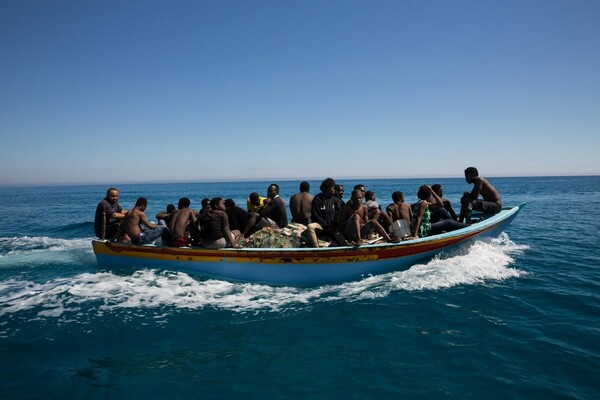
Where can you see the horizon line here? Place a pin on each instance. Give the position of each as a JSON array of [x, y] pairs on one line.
[[287, 179]]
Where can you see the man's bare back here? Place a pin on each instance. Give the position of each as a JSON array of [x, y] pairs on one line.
[[133, 222], [401, 210], [301, 207], [179, 221], [486, 190], [491, 202]]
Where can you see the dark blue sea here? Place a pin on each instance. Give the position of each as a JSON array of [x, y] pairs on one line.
[[515, 317]]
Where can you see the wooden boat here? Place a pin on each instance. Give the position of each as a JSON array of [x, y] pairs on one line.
[[299, 266]]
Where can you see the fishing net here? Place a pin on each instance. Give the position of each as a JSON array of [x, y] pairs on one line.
[[289, 237]]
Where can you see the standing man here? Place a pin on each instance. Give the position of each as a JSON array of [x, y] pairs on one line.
[[138, 228], [301, 204], [491, 203], [109, 215]]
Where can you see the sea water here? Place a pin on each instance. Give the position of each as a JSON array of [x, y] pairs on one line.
[[512, 317]]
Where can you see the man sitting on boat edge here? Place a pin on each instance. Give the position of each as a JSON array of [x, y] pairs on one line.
[[491, 203], [109, 215]]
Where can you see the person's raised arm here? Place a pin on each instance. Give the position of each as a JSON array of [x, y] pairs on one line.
[[438, 200], [477, 186], [162, 215], [145, 221]]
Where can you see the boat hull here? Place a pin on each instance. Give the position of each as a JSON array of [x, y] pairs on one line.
[[297, 267]]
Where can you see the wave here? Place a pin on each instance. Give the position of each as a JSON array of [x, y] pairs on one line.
[[151, 289], [76, 229], [25, 245]]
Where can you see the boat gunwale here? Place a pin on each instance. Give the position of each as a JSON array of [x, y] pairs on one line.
[[407, 246]]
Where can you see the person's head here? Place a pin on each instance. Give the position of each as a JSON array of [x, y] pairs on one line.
[[398, 197], [170, 208], [356, 197], [229, 204], [424, 192], [369, 195], [339, 191], [112, 195], [470, 174], [328, 187], [360, 187], [205, 203], [217, 203], [437, 189], [141, 203], [184, 202], [254, 198], [304, 186], [273, 190]]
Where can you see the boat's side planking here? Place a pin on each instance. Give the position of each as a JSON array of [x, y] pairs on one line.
[[305, 266]]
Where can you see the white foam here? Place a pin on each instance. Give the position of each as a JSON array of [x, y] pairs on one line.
[[483, 262], [25, 245], [109, 292]]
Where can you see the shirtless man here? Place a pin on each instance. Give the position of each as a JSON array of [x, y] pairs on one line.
[[399, 209], [301, 204], [138, 228], [491, 203], [354, 220], [178, 225]]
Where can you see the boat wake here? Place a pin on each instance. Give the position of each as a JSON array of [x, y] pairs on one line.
[[109, 292], [27, 245]]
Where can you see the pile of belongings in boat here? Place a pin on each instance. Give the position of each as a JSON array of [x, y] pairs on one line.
[[294, 235], [285, 238]]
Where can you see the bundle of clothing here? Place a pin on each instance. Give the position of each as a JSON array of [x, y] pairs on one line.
[[286, 238]]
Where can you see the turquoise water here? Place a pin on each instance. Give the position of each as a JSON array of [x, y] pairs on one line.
[[509, 318]]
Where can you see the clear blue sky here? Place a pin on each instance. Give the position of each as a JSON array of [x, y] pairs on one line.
[[125, 91]]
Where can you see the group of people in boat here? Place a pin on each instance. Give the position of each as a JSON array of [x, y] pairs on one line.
[[325, 217]]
